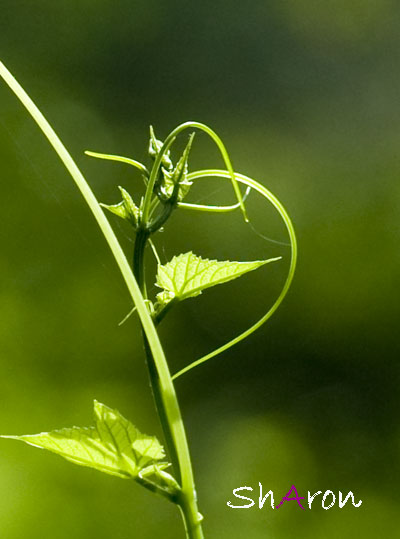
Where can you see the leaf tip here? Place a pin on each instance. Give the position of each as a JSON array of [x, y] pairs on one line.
[[97, 408]]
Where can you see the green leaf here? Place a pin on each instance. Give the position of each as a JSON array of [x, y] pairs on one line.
[[113, 445], [126, 209], [187, 275]]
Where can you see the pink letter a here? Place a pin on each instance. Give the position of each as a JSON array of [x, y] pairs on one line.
[[296, 497]]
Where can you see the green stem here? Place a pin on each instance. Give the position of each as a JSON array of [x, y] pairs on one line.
[[163, 217], [160, 315], [142, 236], [168, 394], [156, 388], [153, 487], [187, 499], [191, 518]]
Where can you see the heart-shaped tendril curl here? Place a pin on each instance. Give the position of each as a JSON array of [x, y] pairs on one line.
[[263, 191]]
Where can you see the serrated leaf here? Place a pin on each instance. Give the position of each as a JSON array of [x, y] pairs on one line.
[[187, 275], [113, 445], [126, 209]]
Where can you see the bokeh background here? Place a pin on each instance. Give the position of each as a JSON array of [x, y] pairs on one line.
[[305, 95]]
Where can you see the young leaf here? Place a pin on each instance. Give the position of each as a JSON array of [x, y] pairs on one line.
[[113, 446], [187, 275], [178, 175], [126, 209]]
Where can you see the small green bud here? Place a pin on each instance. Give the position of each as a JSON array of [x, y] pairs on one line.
[[178, 175], [155, 146]]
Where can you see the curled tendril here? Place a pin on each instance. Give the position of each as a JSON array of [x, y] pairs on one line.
[[293, 244]]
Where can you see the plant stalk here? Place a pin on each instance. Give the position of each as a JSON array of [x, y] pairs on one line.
[[142, 236], [139, 272], [187, 498], [188, 501], [191, 519]]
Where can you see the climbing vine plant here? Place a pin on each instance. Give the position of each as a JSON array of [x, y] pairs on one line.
[[113, 444]]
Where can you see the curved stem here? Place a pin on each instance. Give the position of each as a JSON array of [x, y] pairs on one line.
[[121, 159], [213, 209], [293, 259], [169, 396]]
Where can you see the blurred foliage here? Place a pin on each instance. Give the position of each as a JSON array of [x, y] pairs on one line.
[[305, 96]]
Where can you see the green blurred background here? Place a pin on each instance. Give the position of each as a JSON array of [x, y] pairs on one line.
[[305, 95]]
